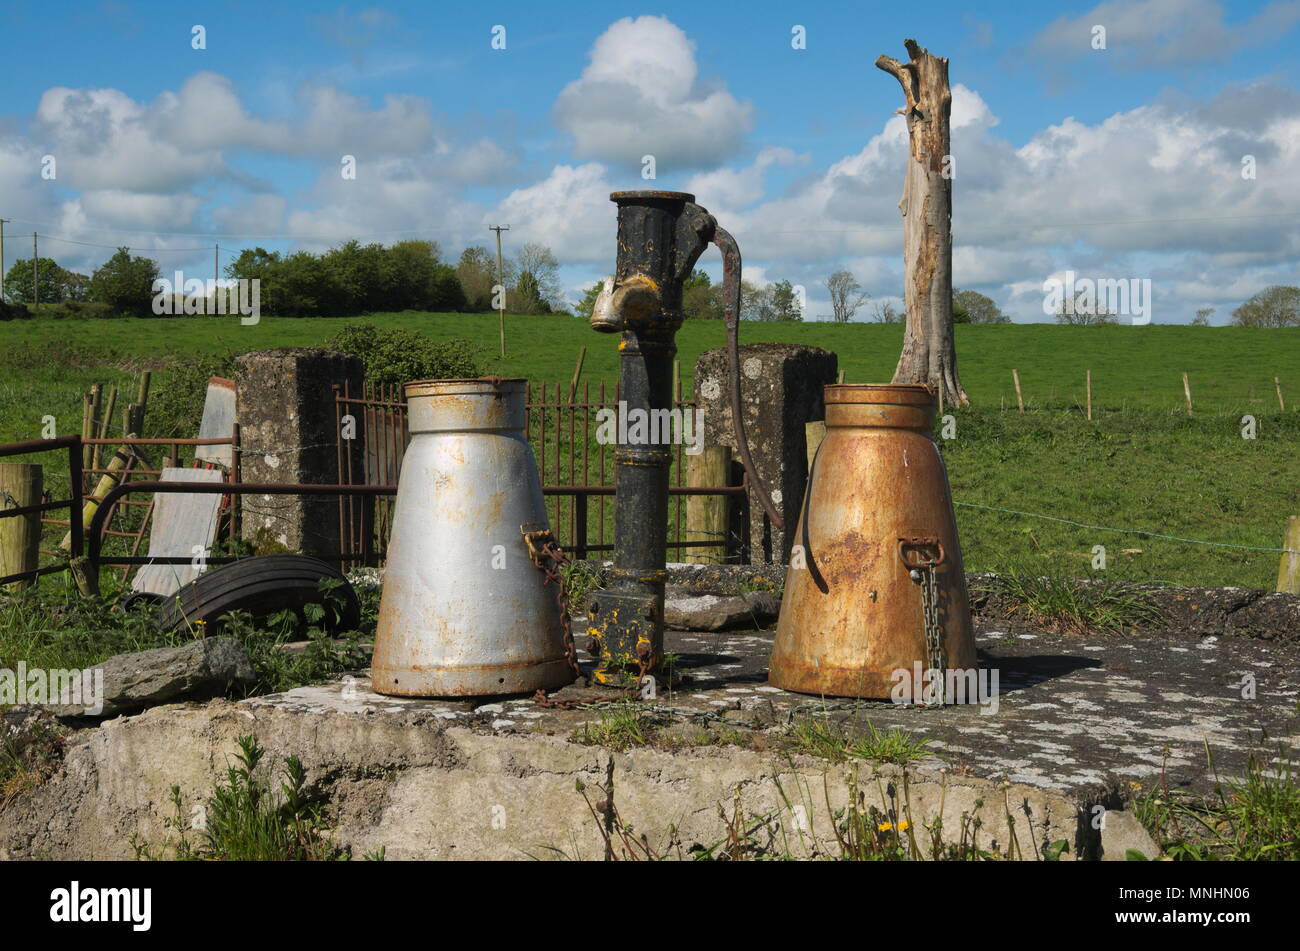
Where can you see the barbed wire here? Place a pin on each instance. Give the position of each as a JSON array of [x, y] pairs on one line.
[[1125, 531]]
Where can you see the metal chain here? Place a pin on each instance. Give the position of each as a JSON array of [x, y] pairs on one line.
[[933, 632], [924, 570], [549, 557]]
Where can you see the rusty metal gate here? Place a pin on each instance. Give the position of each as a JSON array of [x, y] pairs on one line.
[[576, 469]]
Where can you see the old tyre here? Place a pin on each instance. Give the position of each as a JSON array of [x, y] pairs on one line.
[[262, 585]]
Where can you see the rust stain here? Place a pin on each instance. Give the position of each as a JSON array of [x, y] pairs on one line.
[[854, 615]]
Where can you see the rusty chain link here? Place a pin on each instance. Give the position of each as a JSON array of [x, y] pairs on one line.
[[923, 568], [547, 555]]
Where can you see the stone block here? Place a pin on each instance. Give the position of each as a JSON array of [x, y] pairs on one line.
[[780, 390], [289, 433]]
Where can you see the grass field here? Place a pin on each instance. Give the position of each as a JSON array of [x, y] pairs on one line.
[[1140, 464], [1231, 368]]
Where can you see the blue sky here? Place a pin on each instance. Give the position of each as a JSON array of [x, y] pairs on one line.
[[1121, 162]]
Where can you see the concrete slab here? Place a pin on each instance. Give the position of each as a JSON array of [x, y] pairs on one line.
[[1077, 722], [1076, 715]]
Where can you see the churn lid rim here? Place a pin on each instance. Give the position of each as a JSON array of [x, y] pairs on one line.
[[494, 380], [916, 394]]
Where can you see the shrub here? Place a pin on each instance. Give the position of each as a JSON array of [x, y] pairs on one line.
[[14, 311], [76, 308], [176, 401], [397, 356]]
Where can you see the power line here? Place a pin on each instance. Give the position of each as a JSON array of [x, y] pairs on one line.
[[114, 247], [283, 237]]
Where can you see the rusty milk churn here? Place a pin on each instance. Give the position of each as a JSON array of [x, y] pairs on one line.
[[464, 611], [875, 583]]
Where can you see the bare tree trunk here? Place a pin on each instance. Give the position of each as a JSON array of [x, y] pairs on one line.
[[928, 353]]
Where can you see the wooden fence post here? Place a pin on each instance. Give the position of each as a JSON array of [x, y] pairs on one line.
[[706, 515], [1020, 400], [1089, 394], [1288, 574], [813, 434], [96, 395], [1187, 393], [1281, 403], [21, 484], [577, 372]]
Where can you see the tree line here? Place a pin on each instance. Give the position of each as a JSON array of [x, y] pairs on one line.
[[355, 279], [347, 280]]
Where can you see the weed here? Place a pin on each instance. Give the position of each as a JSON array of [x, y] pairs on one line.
[[51, 626], [620, 728], [1255, 818], [245, 820], [581, 578], [31, 750], [829, 740], [1070, 605]]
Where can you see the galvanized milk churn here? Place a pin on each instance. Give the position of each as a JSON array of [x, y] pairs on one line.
[[464, 612], [875, 584]]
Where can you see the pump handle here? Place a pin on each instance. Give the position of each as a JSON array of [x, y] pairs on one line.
[[731, 310]]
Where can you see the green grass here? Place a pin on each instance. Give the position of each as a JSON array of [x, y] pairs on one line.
[[1253, 818], [1231, 368], [1144, 472], [1072, 605], [1141, 464], [51, 626], [829, 740], [1132, 366]]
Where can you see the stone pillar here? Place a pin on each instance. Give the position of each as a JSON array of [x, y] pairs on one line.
[[780, 391], [288, 428]]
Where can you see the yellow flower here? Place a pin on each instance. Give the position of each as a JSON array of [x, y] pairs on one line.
[[884, 827], [902, 826]]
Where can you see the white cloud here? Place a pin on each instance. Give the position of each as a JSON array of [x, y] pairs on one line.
[[130, 171], [390, 199], [101, 138], [569, 211], [1155, 34], [639, 95], [729, 188], [1153, 188]]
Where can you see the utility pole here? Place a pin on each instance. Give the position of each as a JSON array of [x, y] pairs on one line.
[[501, 283], [36, 272], [2, 257]]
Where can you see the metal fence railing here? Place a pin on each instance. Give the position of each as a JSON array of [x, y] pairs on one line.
[[576, 469]]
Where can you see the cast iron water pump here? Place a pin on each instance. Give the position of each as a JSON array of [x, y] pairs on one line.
[[660, 237]]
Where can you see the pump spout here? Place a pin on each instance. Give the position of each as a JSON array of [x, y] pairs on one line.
[[625, 304]]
